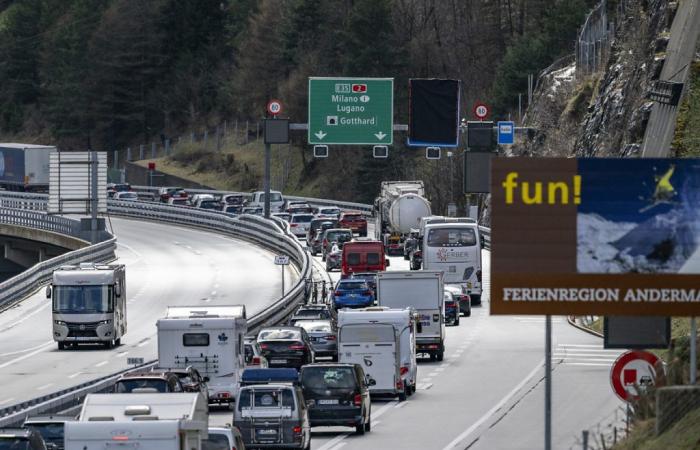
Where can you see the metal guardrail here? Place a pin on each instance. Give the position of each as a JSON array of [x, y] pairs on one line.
[[486, 233], [40, 221]]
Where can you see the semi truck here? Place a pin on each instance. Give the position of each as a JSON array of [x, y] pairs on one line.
[[174, 421], [25, 167], [208, 338], [398, 209], [423, 291], [88, 304]]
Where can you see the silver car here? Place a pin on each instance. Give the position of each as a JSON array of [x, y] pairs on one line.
[[323, 336]]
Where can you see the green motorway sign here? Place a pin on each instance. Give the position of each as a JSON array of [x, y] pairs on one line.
[[354, 111]]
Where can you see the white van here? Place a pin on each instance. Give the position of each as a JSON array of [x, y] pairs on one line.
[[422, 290], [208, 338], [147, 421], [383, 342], [276, 200]]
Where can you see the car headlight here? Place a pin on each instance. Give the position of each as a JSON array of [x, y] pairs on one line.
[[59, 322], [104, 322]]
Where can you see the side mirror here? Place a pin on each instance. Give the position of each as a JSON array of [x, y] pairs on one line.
[[48, 291], [371, 382], [387, 262]]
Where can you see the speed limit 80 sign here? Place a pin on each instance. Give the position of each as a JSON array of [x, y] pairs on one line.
[[274, 107], [481, 111]]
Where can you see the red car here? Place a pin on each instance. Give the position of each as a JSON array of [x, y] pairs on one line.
[[353, 220], [168, 192]]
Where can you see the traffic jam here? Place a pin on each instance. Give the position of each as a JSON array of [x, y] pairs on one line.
[[357, 340]]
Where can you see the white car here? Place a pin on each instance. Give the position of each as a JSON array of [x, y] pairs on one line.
[[179, 201], [258, 199], [223, 438], [126, 196], [199, 197], [328, 211], [300, 223]]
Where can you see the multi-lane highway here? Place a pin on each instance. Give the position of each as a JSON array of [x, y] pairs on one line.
[[165, 265], [488, 392]]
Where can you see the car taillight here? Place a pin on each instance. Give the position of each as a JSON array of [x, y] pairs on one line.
[[264, 346], [403, 370], [296, 347], [331, 337], [337, 293], [293, 225], [296, 430], [325, 242], [224, 394], [357, 400], [399, 384], [256, 360]]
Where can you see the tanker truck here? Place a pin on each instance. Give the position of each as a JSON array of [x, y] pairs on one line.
[[397, 211]]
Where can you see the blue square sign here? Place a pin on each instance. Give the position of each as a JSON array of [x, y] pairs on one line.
[[506, 133]]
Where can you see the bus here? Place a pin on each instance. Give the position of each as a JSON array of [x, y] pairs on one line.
[[89, 304], [453, 246]]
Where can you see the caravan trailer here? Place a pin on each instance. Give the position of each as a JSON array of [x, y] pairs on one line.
[[208, 338]]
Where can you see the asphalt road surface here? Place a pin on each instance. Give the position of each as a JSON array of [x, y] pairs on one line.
[[165, 265], [488, 393]]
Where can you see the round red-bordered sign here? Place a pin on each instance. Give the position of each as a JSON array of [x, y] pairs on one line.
[[632, 369], [274, 107], [481, 110]]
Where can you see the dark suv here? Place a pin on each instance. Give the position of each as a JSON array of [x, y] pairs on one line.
[[22, 439], [148, 381], [337, 395], [286, 346], [50, 428]]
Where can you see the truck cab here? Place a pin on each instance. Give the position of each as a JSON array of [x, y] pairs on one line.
[[88, 304]]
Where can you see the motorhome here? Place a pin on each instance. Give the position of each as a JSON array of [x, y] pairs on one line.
[[383, 342], [257, 199], [148, 421], [88, 304], [424, 291], [208, 338], [452, 245]]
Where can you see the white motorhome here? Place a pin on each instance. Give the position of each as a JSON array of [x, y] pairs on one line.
[[176, 421], [422, 290], [89, 304], [208, 338], [383, 342], [452, 245], [258, 200]]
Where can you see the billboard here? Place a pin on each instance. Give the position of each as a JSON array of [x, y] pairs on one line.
[[595, 236]]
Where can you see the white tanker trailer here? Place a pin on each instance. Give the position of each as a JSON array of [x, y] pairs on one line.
[[397, 211]]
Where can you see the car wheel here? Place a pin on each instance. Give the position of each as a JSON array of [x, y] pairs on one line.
[[402, 395], [323, 256], [476, 299], [360, 428], [61, 345], [118, 342], [432, 356], [231, 406], [368, 424], [468, 313], [109, 344], [457, 321], [441, 356]]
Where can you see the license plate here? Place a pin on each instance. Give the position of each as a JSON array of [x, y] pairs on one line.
[[278, 361], [328, 402], [314, 339], [353, 295], [267, 432]]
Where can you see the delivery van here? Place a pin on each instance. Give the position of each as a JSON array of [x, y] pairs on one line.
[[363, 256]]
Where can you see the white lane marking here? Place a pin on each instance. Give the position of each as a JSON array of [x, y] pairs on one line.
[[400, 405], [120, 354], [493, 410], [426, 379], [7, 400], [28, 355], [141, 344], [440, 369], [100, 364], [216, 286], [17, 322], [423, 386], [24, 350], [75, 374], [41, 388], [213, 293], [333, 442]]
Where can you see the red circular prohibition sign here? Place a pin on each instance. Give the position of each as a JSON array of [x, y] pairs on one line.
[[620, 364]]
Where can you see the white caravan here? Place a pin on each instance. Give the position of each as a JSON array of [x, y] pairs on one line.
[[208, 338], [174, 421], [453, 246], [422, 290], [383, 342]]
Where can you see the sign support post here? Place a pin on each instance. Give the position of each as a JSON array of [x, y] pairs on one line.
[[266, 182], [548, 384], [282, 260], [693, 350], [272, 134], [93, 196]]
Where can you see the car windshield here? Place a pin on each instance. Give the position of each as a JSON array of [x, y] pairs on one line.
[[126, 386], [14, 443], [302, 218], [314, 326], [209, 204], [352, 285], [330, 211], [122, 187], [273, 335], [274, 197], [82, 299], [339, 236], [352, 217], [51, 432], [328, 378], [451, 237], [266, 398], [128, 195], [216, 442]]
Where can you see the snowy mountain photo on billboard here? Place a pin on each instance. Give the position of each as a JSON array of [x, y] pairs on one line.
[[638, 216]]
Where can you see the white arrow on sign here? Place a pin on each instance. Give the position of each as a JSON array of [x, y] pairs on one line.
[[380, 135], [320, 134]]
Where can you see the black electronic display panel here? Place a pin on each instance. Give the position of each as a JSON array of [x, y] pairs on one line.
[[433, 112]]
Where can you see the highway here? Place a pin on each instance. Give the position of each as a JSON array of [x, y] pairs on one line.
[[488, 392], [165, 265]]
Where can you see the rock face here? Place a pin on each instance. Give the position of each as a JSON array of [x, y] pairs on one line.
[[616, 120], [603, 114]]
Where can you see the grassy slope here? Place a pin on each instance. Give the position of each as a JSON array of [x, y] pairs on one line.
[[685, 435], [687, 137]]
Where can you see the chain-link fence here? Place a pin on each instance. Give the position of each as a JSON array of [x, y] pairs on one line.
[[593, 43], [605, 433]]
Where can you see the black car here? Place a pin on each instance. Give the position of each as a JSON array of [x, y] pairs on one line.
[[22, 439], [337, 395], [286, 346], [51, 429], [191, 380], [319, 223]]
